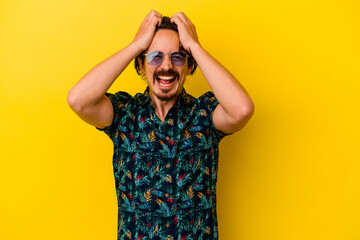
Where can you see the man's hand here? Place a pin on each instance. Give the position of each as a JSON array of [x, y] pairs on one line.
[[87, 98], [235, 107], [146, 32], [187, 32]]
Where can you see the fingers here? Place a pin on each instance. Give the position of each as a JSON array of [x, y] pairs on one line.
[[187, 31], [177, 20], [146, 30], [183, 22], [181, 18], [153, 13], [154, 17], [157, 16]]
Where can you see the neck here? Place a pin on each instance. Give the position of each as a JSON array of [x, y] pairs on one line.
[[162, 107]]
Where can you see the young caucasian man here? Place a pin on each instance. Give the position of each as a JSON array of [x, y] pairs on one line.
[[165, 141]]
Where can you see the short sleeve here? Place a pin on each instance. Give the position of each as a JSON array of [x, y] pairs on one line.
[[120, 102], [211, 103]]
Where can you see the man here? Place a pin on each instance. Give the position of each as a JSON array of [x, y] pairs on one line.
[[165, 141]]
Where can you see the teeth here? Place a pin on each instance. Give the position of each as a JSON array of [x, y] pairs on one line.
[[165, 85], [166, 77]]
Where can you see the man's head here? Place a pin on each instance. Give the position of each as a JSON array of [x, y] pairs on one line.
[[166, 77]]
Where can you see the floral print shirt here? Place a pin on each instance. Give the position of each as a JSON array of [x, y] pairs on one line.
[[165, 172]]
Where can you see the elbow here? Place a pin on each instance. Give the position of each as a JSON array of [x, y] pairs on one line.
[[244, 117], [73, 102], [246, 112], [249, 110]]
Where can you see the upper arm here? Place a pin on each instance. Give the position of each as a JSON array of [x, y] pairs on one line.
[[99, 115], [229, 124]]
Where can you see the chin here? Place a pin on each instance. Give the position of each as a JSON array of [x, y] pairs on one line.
[[165, 97], [166, 93]]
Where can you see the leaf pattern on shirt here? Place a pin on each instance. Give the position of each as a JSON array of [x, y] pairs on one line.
[[165, 172]]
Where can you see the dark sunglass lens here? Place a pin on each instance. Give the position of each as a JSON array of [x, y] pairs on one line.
[[155, 57], [178, 58]]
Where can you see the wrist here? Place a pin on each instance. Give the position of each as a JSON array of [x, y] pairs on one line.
[[136, 47], [194, 48]]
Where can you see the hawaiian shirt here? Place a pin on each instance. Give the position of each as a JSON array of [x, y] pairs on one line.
[[165, 172]]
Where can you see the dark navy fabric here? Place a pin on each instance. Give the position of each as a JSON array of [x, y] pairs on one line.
[[165, 172]]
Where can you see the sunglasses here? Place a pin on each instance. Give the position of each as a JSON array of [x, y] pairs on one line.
[[155, 58]]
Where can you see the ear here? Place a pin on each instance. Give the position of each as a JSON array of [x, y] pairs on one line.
[[188, 71], [141, 66], [188, 68]]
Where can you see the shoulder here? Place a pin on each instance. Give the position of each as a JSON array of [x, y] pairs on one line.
[[208, 103], [119, 96], [207, 95], [208, 100]]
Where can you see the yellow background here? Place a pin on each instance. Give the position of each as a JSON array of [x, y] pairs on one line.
[[292, 173]]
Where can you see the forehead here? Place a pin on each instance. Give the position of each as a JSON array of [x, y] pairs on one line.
[[165, 40]]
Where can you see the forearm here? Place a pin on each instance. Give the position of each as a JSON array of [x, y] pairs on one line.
[[231, 95], [93, 85]]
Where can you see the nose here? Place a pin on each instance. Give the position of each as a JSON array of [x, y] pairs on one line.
[[166, 64]]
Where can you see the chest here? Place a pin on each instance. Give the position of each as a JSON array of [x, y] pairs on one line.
[[145, 133], [180, 150]]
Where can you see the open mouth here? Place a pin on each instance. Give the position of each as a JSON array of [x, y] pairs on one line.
[[165, 81]]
